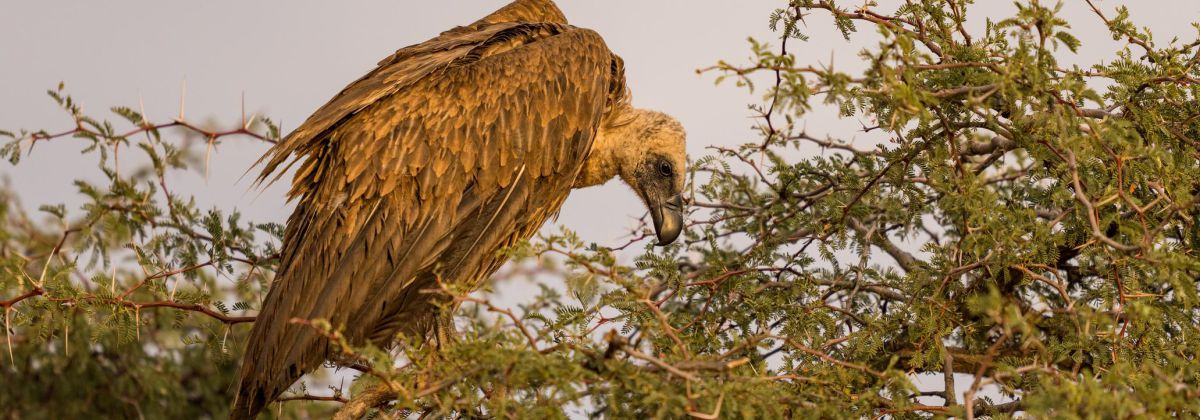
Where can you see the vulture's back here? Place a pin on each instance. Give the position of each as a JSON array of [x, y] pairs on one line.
[[422, 170]]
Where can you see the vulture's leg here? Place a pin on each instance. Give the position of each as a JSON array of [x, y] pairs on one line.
[[439, 331], [444, 333], [364, 401]]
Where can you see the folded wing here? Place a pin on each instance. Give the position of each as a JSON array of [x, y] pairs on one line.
[[420, 171]]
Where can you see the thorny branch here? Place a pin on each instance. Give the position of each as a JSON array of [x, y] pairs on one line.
[[87, 128]]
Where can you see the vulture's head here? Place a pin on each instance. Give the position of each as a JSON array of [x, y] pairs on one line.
[[646, 149]]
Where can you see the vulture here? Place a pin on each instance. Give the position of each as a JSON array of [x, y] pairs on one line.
[[426, 167]]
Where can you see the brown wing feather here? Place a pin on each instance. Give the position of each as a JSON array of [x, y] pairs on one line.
[[474, 150], [525, 11], [393, 74], [406, 66]]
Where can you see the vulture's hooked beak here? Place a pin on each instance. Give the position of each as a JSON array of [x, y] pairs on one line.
[[668, 219]]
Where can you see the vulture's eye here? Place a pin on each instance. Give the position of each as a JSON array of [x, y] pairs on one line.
[[665, 169]]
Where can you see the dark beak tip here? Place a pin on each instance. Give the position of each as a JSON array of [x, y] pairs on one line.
[[669, 232], [664, 241], [668, 224]]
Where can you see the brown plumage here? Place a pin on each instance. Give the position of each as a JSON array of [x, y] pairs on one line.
[[447, 152]]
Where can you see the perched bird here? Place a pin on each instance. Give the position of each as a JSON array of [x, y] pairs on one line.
[[447, 152]]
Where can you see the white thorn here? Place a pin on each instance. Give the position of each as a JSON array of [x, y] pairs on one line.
[[208, 157], [182, 99], [8, 336], [145, 122], [142, 108]]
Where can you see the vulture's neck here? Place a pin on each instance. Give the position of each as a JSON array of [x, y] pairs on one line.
[[617, 148]]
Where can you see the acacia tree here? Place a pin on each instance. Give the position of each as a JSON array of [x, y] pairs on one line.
[[1023, 232]]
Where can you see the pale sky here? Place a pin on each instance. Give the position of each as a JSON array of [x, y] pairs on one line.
[[289, 57]]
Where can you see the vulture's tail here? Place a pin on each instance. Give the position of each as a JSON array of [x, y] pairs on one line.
[[277, 354]]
